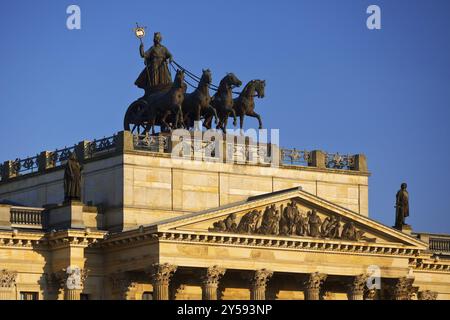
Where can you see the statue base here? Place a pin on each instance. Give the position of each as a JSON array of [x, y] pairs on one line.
[[406, 228], [73, 214]]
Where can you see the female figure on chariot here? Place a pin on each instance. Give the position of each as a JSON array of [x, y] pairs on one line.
[[156, 76]]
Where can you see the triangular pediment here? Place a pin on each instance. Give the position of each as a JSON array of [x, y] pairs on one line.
[[290, 213]]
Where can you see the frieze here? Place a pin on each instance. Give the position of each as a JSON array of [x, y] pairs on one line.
[[290, 221]]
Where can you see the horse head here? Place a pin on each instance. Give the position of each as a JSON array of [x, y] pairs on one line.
[[206, 76], [260, 86], [179, 79], [232, 81]]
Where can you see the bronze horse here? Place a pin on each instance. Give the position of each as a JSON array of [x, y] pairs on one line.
[[222, 101], [244, 105], [154, 109], [198, 103]]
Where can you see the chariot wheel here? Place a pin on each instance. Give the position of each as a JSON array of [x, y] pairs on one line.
[[136, 118]]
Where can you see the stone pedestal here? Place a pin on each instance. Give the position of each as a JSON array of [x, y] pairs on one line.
[[318, 159], [5, 217], [258, 284], [69, 215], [313, 285], [211, 282], [406, 229], [160, 276]]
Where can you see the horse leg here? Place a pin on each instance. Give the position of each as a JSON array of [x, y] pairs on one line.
[[234, 117], [225, 122], [214, 113], [152, 125], [180, 116], [241, 122], [164, 122], [257, 116]]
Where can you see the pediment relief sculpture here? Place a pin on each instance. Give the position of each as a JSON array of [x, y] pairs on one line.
[[289, 220]]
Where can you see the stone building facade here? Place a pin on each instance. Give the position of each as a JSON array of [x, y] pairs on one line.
[[151, 226]]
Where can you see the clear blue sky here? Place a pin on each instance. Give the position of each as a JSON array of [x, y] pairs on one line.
[[332, 84]]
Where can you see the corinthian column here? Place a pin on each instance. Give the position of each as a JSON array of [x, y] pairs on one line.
[[71, 280], [161, 274], [404, 289], [357, 287], [211, 282], [313, 284], [258, 284], [7, 284]]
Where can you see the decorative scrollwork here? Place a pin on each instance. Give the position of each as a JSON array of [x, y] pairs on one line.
[[24, 166], [59, 157], [295, 157], [338, 161], [150, 143], [100, 146]]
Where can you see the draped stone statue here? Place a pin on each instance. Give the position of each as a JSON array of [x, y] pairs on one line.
[[270, 221], [314, 223], [156, 75], [72, 179], [401, 206]]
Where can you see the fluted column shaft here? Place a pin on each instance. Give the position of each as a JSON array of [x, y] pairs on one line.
[[209, 291], [6, 294], [312, 294], [72, 294], [259, 283]]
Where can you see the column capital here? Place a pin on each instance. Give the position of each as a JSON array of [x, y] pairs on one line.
[[428, 295], [357, 287], [261, 277], [403, 289], [213, 275], [70, 278], [162, 272], [358, 284], [7, 279], [315, 280]]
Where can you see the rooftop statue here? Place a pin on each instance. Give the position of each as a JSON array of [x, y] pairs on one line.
[[72, 179], [401, 206], [156, 75], [167, 104]]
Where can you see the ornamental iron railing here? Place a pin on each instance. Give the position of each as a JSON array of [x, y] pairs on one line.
[[295, 157], [102, 146], [203, 150]]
